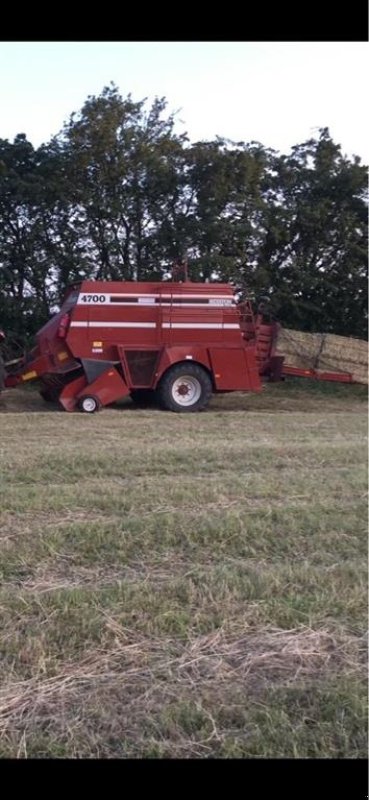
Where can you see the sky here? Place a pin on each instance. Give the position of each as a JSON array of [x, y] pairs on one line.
[[276, 93]]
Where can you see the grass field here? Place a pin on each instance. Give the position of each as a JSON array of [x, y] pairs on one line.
[[185, 585]]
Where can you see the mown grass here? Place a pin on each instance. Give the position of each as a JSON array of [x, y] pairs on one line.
[[185, 585]]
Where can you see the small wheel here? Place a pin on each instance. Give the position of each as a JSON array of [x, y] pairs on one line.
[[185, 387], [143, 397], [89, 404]]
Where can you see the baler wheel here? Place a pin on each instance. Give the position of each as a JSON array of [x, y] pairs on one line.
[[185, 387], [89, 404]]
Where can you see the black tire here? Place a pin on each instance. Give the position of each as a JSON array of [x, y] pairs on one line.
[[89, 404], [49, 395], [195, 384], [143, 398]]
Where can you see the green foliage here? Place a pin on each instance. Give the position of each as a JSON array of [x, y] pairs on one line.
[[118, 195]]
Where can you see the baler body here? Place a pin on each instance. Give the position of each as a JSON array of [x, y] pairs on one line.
[[112, 338]]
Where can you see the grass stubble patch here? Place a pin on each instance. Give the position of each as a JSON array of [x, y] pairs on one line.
[[185, 586]]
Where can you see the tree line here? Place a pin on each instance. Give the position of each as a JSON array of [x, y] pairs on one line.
[[119, 195]]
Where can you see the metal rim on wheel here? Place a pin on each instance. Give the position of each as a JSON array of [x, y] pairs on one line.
[[186, 390], [89, 404]]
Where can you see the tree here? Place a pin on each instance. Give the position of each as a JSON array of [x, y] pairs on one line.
[[22, 287], [118, 195], [315, 239], [122, 166]]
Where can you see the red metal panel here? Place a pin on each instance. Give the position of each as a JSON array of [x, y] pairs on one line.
[[338, 377], [143, 315], [108, 387], [235, 369], [155, 287], [68, 397], [38, 366], [174, 355]]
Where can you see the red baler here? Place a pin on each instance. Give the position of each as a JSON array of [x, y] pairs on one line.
[[177, 341]]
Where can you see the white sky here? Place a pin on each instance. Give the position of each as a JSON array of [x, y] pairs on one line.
[[274, 93]]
